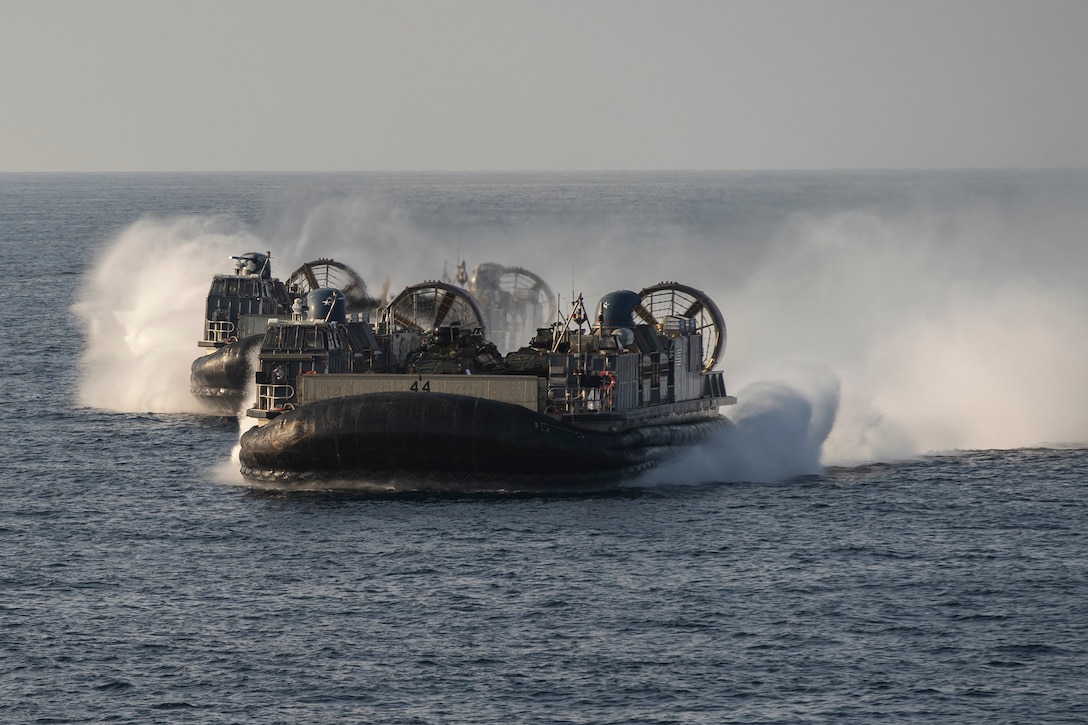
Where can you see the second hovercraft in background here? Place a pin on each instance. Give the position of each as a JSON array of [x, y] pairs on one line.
[[237, 310]]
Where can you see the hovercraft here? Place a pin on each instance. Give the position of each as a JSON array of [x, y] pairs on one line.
[[238, 308], [425, 404], [515, 301]]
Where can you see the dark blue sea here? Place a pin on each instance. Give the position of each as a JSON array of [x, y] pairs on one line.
[[895, 531]]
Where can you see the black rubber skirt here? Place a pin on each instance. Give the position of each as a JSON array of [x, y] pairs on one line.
[[415, 441], [219, 380]]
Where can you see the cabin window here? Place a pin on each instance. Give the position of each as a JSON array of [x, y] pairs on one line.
[[218, 309], [295, 338]]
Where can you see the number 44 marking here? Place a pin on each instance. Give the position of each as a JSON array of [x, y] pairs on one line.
[[426, 387]]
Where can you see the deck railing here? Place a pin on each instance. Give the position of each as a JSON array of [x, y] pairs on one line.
[[218, 331], [274, 396]]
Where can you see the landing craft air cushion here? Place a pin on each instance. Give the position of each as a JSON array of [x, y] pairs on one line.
[[424, 402], [237, 310]]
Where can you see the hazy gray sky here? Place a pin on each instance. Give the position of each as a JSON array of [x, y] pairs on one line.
[[205, 85]]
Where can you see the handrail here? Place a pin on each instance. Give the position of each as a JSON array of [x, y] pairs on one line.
[[218, 330], [273, 396]]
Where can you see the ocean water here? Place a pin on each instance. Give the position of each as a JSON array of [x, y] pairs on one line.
[[895, 531]]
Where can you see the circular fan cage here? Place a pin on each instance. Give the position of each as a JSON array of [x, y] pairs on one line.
[[516, 290], [528, 288], [330, 273], [670, 299], [429, 305]]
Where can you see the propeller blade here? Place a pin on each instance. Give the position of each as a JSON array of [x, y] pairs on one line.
[[444, 308], [695, 309], [645, 314], [404, 321], [309, 272]]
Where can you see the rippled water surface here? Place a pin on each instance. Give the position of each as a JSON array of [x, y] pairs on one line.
[[140, 583]]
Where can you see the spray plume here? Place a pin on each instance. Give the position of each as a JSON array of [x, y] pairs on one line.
[[142, 308], [856, 334]]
